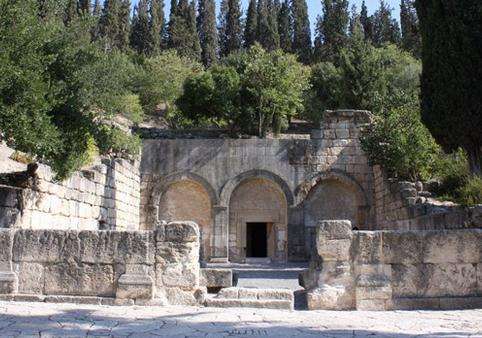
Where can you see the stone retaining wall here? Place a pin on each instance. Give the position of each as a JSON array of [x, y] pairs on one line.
[[405, 206], [107, 196], [384, 270], [108, 267]]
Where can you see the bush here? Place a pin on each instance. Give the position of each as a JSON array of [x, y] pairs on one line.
[[401, 144], [471, 192]]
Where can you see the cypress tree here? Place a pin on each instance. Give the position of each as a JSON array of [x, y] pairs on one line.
[[123, 24], [230, 32], [140, 39], [411, 41], [207, 31], [301, 30], [285, 27], [108, 23], [273, 10], [451, 83], [385, 27], [332, 30], [84, 6], [366, 22], [263, 25], [251, 27], [156, 25], [171, 26], [183, 34]]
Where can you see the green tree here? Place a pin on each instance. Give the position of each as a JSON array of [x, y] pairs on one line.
[[156, 25], [183, 34], [452, 69], [253, 92], [385, 27], [301, 31], [97, 9], [141, 40], [108, 23], [334, 27], [367, 22], [123, 25], [71, 11], [251, 27], [207, 31], [285, 27], [411, 41], [230, 33]]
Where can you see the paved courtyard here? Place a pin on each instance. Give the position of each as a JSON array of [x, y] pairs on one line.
[[68, 320]]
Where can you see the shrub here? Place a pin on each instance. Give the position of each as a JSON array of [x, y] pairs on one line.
[[401, 144], [471, 192]]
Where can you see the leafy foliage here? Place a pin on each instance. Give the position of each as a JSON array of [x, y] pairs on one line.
[[58, 90], [253, 92]]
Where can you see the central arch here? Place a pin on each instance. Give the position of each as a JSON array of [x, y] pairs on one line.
[[257, 217]]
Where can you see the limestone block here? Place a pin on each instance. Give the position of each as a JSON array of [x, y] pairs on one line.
[[462, 303], [416, 303], [179, 276], [98, 246], [6, 242], [30, 277], [179, 232], [8, 282], [176, 296], [335, 273], [79, 279], [451, 246], [409, 280], [450, 279], [402, 247], [337, 229], [368, 247], [135, 247], [246, 293], [333, 250], [216, 278], [373, 292], [279, 294], [47, 246], [229, 293], [330, 297], [10, 197], [135, 286], [167, 253]]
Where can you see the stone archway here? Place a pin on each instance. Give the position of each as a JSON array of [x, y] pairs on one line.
[[258, 202], [188, 200]]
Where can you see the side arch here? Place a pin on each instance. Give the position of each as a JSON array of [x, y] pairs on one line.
[[232, 184]]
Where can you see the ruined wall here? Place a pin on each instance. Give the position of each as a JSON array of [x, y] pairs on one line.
[[101, 267], [107, 196], [405, 205], [297, 167], [384, 270]]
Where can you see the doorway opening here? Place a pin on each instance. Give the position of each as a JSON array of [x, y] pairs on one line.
[[256, 240]]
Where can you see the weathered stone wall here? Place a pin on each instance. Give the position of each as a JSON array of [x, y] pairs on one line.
[[405, 206], [108, 267], [297, 167], [384, 270], [107, 196]]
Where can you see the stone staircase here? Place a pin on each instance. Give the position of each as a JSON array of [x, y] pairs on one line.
[[254, 298]]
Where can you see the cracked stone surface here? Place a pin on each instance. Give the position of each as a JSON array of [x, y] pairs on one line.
[[70, 320]]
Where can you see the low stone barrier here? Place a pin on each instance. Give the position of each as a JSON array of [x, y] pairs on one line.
[[102, 267], [385, 270]]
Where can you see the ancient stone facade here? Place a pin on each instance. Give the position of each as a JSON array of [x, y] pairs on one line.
[[283, 185]]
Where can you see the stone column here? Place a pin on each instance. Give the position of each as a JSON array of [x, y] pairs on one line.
[[221, 236], [330, 279], [8, 278]]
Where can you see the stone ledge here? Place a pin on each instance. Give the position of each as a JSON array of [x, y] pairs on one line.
[[252, 303], [438, 303]]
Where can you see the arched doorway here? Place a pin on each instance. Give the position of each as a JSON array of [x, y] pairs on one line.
[[187, 200], [257, 221]]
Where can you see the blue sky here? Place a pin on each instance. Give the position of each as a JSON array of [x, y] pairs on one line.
[[315, 7]]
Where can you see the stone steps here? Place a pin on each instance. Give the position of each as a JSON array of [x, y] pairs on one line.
[[254, 298]]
